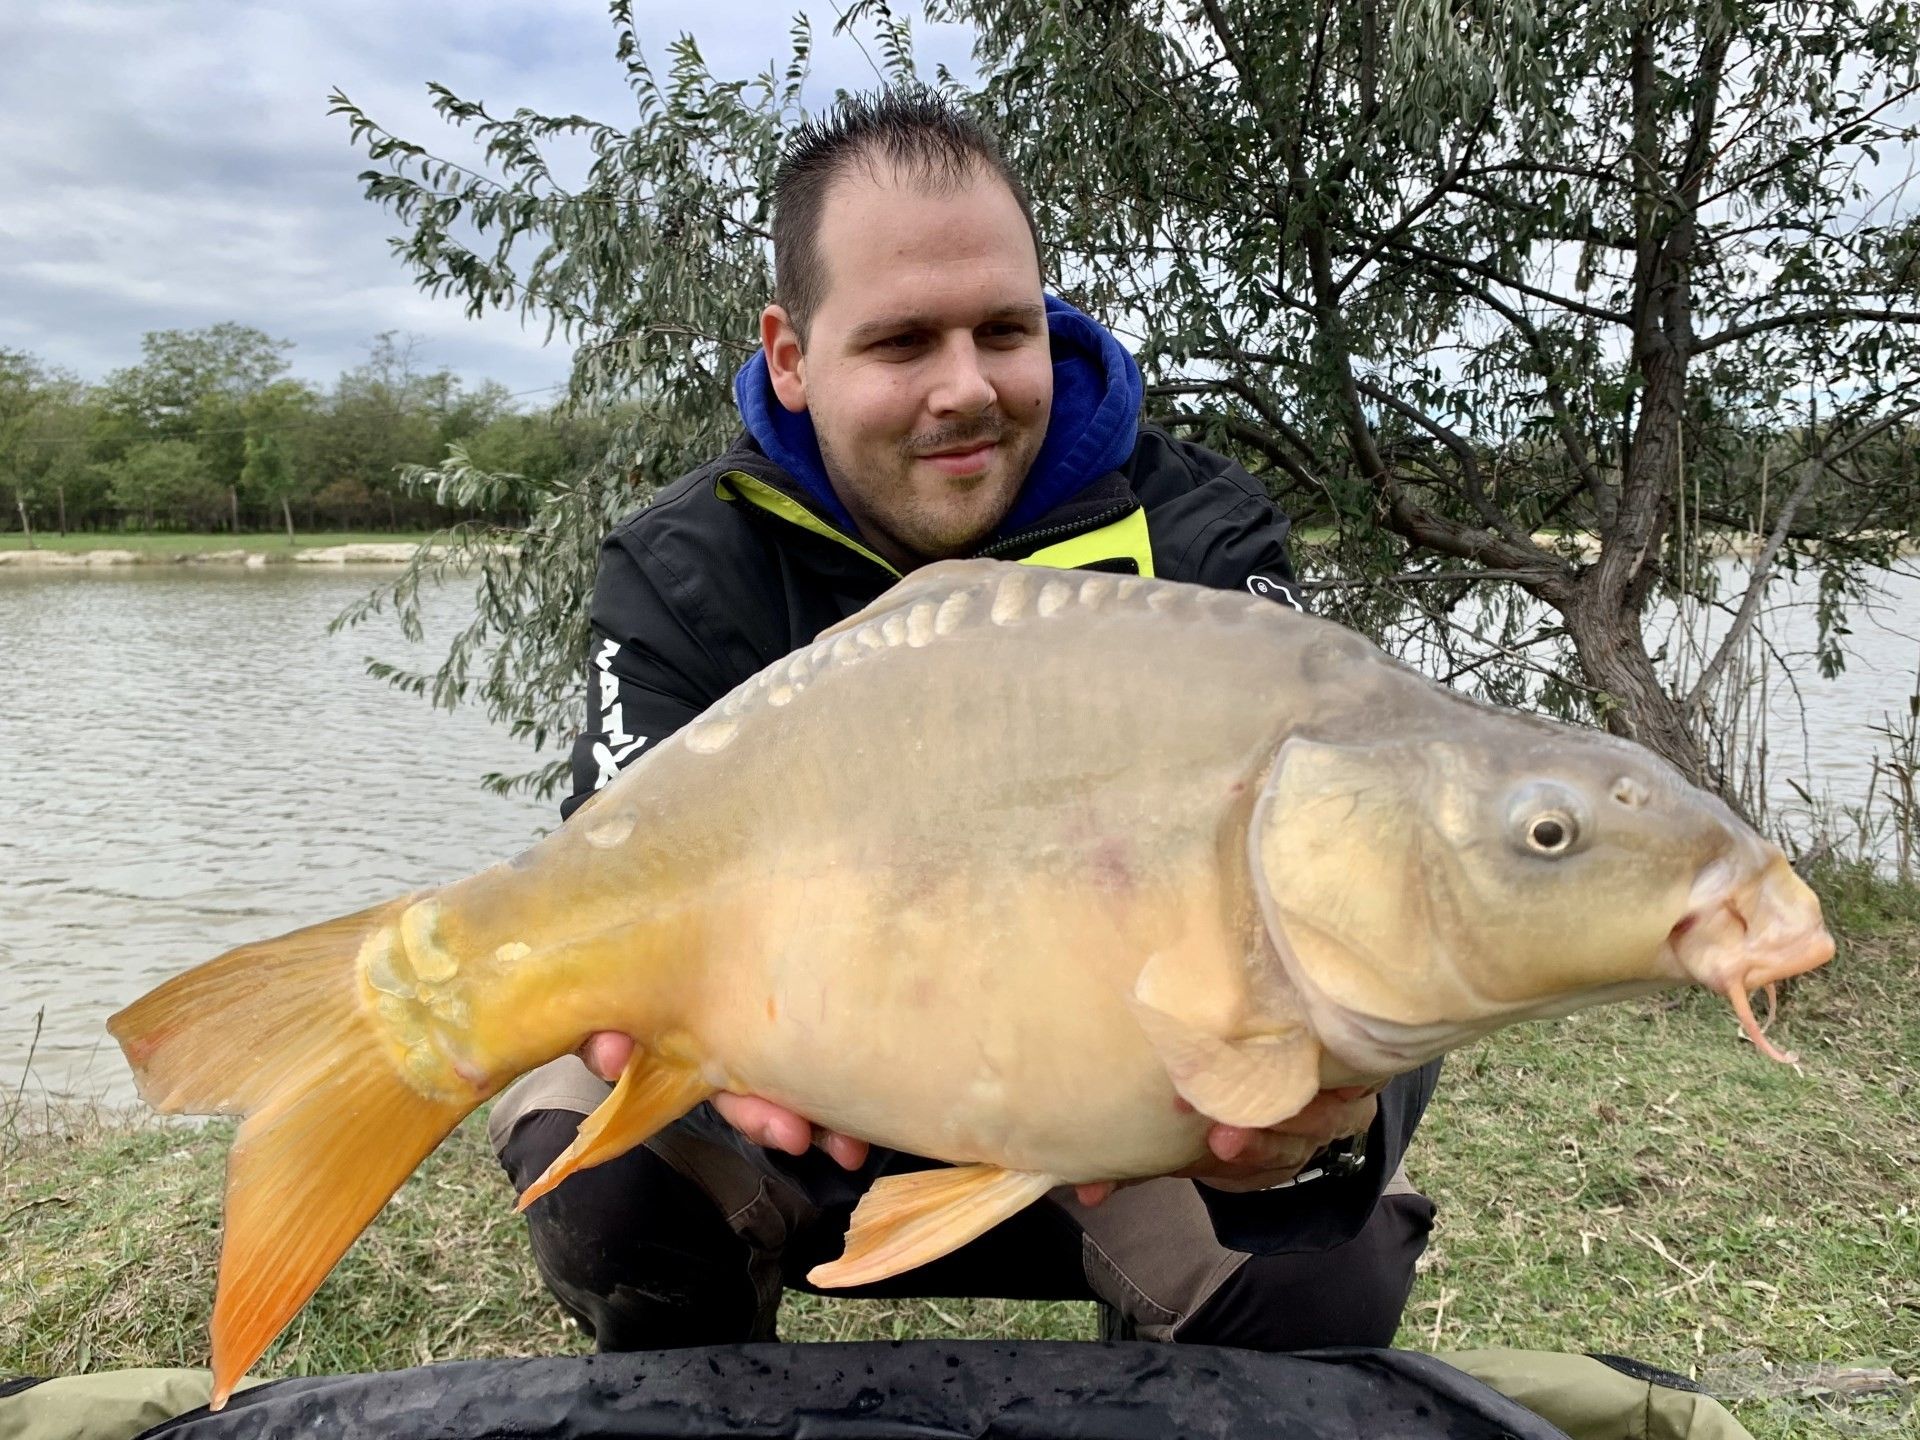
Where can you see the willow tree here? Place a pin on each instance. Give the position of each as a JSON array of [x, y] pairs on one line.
[[1475, 272], [1525, 301]]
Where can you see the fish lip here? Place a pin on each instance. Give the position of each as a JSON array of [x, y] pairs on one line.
[[1746, 927], [1750, 925]]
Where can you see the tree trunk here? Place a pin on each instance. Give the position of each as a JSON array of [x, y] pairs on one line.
[[287, 511], [25, 524], [60, 490], [1604, 618], [233, 504], [1613, 654]]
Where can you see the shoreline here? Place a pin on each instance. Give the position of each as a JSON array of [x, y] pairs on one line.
[[366, 553]]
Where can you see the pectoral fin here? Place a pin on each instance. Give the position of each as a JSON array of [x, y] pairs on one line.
[[1255, 1081], [651, 1095], [907, 1220]]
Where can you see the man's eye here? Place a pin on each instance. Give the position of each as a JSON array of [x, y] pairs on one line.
[[899, 342]]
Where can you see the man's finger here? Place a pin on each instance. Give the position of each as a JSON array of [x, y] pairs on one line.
[[777, 1128], [606, 1053], [1237, 1153], [1229, 1142], [1328, 1118], [847, 1152], [765, 1123], [1257, 1149], [783, 1130], [785, 1133]]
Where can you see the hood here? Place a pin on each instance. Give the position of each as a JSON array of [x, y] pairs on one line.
[[1096, 412]]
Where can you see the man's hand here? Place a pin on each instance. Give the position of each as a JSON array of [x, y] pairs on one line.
[[1240, 1160], [606, 1053]]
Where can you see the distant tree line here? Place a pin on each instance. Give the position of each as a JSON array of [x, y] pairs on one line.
[[209, 433]]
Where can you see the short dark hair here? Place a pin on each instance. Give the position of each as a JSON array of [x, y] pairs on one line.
[[912, 129]]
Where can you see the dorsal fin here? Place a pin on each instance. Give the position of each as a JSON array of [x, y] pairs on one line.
[[943, 577]]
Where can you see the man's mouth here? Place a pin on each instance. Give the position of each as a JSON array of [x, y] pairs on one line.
[[968, 459]]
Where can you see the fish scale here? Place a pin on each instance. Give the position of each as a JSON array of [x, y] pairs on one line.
[[1012, 598]]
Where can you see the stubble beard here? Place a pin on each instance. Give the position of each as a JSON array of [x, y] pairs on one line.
[[928, 531]]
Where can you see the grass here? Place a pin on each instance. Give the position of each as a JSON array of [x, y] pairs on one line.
[[168, 545], [1634, 1180]]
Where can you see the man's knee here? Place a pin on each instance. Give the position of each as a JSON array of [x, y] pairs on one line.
[[631, 1248], [1353, 1294]]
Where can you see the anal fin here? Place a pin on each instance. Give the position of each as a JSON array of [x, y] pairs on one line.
[[907, 1220], [651, 1095], [1254, 1081]]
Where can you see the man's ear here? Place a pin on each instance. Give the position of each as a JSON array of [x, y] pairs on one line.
[[786, 358]]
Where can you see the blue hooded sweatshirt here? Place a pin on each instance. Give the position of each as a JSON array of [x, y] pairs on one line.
[[1090, 430]]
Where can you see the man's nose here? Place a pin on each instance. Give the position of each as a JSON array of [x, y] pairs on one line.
[[960, 384]]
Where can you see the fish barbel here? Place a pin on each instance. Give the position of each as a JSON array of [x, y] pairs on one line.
[[1037, 872]]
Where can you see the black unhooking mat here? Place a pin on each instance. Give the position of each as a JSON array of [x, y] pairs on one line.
[[907, 1390]]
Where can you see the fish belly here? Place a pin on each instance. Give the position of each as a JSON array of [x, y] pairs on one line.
[[951, 1018]]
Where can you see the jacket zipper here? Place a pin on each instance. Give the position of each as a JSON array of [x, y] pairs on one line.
[[1030, 538]]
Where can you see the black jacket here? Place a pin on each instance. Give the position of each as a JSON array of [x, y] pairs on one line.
[[729, 569]]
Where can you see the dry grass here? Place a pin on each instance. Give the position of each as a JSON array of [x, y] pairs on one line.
[[1634, 1180]]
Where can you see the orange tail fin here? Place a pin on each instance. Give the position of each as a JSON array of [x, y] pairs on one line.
[[278, 1032]]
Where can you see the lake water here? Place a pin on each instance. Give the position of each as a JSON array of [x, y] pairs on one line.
[[189, 761]]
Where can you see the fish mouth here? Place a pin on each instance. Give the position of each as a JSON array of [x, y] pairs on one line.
[[1747, 927]]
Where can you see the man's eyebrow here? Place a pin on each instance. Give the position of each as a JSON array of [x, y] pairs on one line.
[[1035, 315]]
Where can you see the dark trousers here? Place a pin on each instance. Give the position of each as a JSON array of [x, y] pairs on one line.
[[648, 1254]]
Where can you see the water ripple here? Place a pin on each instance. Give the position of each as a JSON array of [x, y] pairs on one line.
[[191, 762]]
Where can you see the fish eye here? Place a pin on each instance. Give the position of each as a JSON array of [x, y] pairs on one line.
[[1547, 819], [1552, 833]]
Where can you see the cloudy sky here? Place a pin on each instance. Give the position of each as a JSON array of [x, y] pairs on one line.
[[169, 164]]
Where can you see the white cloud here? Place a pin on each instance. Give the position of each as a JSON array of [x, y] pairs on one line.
[[170, 163]]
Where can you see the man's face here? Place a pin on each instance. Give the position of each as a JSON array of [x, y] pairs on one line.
[[927, 371]]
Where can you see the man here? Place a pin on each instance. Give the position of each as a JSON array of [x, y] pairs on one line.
[[917, 396]]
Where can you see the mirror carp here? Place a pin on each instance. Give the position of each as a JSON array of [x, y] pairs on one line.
[[1036, 872]]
